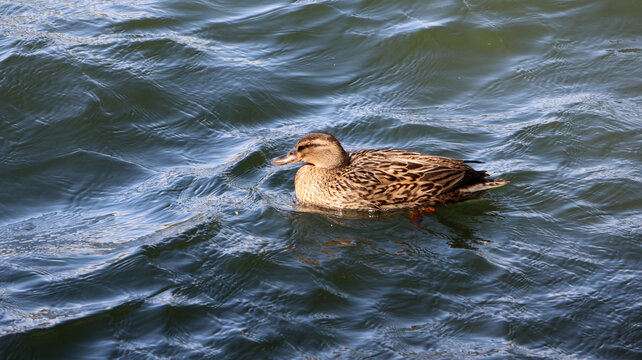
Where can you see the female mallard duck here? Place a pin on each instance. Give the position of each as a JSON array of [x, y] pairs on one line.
[[385, 179]]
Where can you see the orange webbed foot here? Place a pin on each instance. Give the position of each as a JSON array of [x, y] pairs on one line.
[[417, 215]]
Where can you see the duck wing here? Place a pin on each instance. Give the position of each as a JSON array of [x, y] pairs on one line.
[[390, 177]]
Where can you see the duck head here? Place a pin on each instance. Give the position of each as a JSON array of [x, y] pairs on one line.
[[317, 148]]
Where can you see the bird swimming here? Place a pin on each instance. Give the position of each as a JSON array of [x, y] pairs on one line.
[[379, 179]]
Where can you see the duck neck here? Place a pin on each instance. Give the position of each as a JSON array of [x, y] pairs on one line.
[[339, 161]]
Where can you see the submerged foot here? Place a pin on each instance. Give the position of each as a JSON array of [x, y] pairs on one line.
[[417, 215]]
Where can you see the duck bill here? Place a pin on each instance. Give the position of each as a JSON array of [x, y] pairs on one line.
[[285, 159]]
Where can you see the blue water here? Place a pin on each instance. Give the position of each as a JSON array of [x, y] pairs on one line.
[[140, 217]]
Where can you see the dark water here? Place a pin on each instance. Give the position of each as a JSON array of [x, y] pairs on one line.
[[140, 218]]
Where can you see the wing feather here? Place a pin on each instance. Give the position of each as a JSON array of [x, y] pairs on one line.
[[399, 176]]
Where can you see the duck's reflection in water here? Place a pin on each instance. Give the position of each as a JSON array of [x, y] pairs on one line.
[[324, 234]]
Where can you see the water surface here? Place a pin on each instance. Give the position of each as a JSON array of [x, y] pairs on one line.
[[140, 217]]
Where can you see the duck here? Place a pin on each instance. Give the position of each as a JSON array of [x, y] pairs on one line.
[[379, 179]]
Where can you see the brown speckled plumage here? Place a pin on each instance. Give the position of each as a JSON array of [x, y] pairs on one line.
[[384, 179]]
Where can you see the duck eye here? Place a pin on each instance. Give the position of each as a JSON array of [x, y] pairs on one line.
[[301, 147]]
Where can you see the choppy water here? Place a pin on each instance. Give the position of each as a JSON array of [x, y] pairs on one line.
[[140, 218]]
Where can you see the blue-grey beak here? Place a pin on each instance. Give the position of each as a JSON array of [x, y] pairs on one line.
[[286, 159]]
